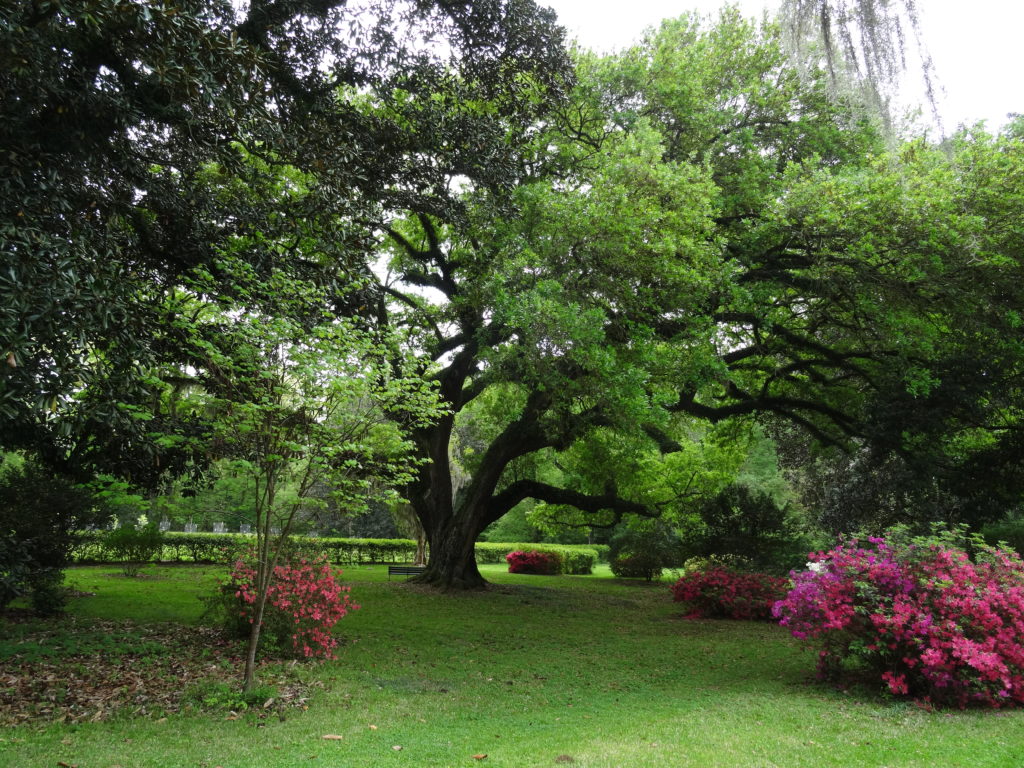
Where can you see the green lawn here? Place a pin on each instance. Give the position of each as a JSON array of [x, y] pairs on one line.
[[541, 671]]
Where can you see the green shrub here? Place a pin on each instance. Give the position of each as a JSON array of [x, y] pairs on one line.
[[360, 551], [133, 546], [1009, 530], [728, 562], [41, 514], [221, 696], [48, 595], [643, 552], [750, 525], [642, 565], [204, 547], [226, 547], [15, 569]]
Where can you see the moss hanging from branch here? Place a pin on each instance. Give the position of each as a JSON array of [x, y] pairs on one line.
[[863, 45]]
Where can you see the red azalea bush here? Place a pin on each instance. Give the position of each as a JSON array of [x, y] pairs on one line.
[[919, 614], [533, 561], [304, 603], [722, 593]]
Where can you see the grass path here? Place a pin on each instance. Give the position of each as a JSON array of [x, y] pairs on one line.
[[539, 671]]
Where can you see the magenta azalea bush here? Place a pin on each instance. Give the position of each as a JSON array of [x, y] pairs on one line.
[[304, 603], [918, 614], [722, 593], [532, 561]]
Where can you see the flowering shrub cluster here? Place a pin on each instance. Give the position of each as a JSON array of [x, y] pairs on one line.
[[919, 614], [304, 603], [532, 561], [722, 593]]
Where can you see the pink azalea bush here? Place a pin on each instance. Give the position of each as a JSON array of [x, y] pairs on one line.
[[532, 561], [723, 593], [919, 614], [304, 603]]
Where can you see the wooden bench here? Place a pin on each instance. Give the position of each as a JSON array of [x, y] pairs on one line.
[[405, 570]]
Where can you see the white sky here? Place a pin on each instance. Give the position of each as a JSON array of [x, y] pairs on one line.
[[975, 46]]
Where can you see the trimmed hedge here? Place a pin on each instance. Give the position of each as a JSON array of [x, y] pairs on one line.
[[225, 547]]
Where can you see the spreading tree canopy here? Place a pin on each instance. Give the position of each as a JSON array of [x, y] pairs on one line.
[[701, 234], [145, 146]]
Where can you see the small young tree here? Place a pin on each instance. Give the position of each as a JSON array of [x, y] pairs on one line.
[[296, 408]]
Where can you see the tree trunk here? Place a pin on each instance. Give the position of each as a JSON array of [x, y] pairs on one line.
[[452, 564], [249, 675], [421, 547]]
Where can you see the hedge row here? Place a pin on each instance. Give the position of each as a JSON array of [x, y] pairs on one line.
[[223, 547], [576, 558]]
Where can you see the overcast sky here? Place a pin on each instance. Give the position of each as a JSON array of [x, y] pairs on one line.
[[977, 51]]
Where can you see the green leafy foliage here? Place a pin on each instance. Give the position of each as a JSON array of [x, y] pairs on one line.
[[133, 546], [41, 514], [751, 527], [15, 569], [217, 696], [643, 550], [1006, 533], [149, 147]]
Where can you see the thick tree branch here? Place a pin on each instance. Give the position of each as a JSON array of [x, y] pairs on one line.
[[665, 443], [416, 304], [531, 489], [787, 407]]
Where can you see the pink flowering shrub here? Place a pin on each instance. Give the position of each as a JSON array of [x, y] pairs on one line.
[[722, 593], [919, 614], [533, 561], [304, 603]]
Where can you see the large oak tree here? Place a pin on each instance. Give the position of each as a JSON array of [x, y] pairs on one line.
[[703, 234]]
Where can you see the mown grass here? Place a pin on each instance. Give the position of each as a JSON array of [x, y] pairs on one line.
[[540, 671]]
